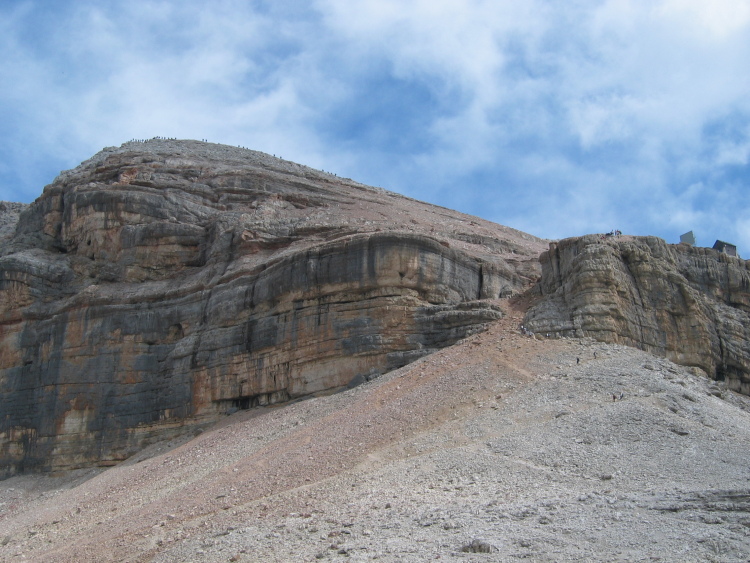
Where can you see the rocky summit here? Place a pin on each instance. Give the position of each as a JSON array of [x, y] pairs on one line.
[[163, 284]]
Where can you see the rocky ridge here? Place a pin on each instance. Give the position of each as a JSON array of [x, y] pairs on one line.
[[163, 284], [691, 305]]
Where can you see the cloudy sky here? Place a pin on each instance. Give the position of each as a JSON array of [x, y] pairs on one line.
[[556, 118]]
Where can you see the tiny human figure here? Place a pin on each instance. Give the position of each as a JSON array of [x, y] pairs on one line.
[[622, 395], [578, 361], [594, 355], [614, 397]]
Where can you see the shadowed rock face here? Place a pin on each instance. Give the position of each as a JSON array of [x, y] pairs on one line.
[[160, 285], [689, 304]]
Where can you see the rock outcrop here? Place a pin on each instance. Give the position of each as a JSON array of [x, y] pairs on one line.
[[691, 305], [160, 285], [9, 214]]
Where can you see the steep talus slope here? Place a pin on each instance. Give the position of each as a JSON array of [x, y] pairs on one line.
[[160, 285], [691, 305], [502, 443]]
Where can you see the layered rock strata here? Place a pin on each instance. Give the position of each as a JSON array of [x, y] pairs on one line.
[[691, 305], [160, 285]]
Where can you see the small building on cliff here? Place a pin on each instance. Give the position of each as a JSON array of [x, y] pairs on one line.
[[725, 247], [688, 238]]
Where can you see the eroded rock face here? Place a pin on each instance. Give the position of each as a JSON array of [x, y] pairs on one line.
[[9, 213], [689, 304], [160, 285]]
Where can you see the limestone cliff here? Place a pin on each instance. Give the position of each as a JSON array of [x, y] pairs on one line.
[[160, 285], [9, 213], [689, 304]]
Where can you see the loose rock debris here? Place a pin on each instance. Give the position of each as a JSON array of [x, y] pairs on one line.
[[472, 453]]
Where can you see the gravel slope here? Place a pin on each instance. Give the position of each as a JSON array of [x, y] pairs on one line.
[[501, 447]]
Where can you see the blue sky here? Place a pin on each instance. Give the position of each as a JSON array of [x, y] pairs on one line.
[[556, 118]]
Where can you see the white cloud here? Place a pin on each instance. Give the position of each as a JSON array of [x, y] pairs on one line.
[[715, 20], [222, 72], [623, 71], [733, 151]]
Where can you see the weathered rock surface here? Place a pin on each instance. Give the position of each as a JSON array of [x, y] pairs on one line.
[[9, 213], [691, 305], [160, 285]]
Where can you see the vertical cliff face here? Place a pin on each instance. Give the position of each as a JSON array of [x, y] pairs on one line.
[[160, 285], [689, 304]]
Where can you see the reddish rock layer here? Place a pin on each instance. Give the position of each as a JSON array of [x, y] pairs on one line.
[[160, 285]]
